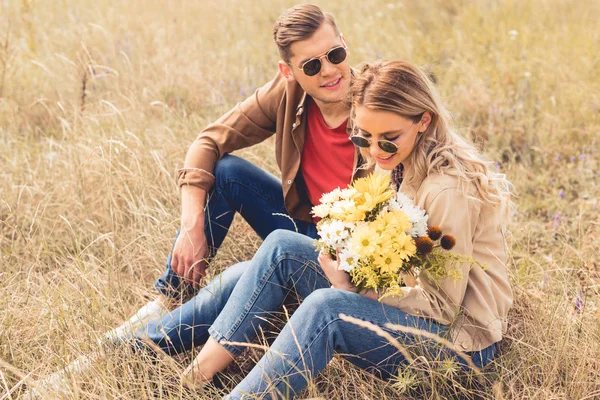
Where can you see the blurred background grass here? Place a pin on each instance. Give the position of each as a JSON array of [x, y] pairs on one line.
[[99, 102]]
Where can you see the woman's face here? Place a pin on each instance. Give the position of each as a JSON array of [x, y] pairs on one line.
[[377, 125]]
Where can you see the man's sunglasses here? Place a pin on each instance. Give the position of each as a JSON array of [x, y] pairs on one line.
[[335, 56], [385, 145]]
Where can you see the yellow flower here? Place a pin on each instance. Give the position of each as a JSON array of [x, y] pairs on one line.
[[397, 220], [388, 262], [379, 225], [364, 241], [405, 246], [354, 215], [372, 190]]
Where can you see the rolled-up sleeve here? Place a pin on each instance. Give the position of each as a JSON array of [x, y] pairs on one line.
[[248, 123]]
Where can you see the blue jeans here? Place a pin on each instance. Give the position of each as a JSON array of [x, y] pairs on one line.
[[240, 186], [287, 262], [233, 306]]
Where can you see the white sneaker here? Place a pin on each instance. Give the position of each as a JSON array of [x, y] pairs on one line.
[[144, 315], [59, 383]]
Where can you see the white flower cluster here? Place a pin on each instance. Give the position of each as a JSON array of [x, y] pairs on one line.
[[416, 215], [333, 232], [338, 201]]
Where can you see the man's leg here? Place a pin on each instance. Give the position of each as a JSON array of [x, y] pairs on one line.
[[240, 186], [187, 326]]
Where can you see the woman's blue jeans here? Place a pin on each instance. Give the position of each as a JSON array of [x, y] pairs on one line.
[[235, 306], [240, 186]]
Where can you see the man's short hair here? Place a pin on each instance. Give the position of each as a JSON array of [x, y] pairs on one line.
[[298, 23]]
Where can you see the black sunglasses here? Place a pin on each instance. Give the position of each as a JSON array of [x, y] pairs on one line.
[[385, 145], [313, 66]]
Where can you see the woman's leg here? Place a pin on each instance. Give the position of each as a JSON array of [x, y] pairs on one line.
[[315, 331], [285, 263]]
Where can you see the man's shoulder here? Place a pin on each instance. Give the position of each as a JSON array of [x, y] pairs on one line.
[[279, 85]]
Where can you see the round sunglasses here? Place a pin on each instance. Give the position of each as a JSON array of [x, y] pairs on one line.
[[313, 66], [385, 145]]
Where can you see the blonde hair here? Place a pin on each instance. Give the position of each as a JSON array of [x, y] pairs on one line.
[[298, 23], [404, 89]]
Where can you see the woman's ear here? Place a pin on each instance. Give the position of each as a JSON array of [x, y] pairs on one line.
[[425, 121], [286, 71]]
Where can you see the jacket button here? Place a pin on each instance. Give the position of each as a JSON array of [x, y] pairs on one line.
[[294, 125], [289, 182]]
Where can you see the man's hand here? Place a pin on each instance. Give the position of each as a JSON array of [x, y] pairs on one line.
[[189, 255], [191, 249]]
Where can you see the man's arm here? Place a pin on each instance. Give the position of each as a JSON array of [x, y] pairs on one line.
[[248, 123]]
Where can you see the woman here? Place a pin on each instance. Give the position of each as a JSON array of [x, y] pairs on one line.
[[402, 126]]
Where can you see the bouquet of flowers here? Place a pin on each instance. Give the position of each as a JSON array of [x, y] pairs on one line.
[[381, 237]]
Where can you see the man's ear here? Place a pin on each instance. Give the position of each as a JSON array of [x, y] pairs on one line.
[[286, 71], [344, 43], [425, 121]]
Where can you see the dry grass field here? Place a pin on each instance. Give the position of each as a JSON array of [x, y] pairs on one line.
[[99, 102]]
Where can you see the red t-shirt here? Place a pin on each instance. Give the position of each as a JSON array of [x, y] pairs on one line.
[[328, 155]]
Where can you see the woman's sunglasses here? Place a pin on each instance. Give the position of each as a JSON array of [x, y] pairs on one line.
[[385, 145], [313, 66]]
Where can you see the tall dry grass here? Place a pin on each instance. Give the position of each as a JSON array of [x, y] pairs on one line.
[[100, 100]]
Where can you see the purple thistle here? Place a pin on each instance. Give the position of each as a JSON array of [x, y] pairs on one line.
[[579, 301], [556, 221], [561, 194], [581, 156], [552, 180], [572, 158], [558, 157]]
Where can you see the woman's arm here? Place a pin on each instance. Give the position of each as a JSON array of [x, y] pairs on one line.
[[456, 214]]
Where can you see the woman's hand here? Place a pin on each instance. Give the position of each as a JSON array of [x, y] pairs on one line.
[[339, 278]]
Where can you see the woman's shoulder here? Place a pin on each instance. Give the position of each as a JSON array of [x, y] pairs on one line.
[[438, 182]]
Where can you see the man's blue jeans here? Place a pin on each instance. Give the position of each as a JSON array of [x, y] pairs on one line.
[[233, 308], [240, 186]]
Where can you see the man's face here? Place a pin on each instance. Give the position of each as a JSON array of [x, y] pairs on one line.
[[332, 82]]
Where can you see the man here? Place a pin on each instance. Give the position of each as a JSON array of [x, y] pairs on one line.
[[303, 106]]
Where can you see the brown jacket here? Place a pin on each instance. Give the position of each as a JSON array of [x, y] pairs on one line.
[[477, 305], [276, 108]]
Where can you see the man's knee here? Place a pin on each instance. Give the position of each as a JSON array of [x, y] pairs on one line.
[[226, 167]]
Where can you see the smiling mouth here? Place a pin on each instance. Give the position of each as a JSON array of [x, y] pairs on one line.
[[385, 158], [333, 83]]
